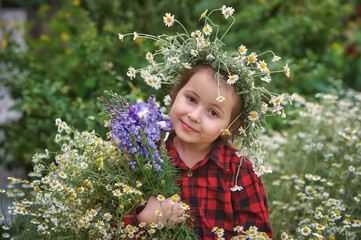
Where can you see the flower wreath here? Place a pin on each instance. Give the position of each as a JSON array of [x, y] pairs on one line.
[[183, 50]]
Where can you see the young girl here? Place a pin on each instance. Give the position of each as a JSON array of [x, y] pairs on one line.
[[216, 98], [208, 165]]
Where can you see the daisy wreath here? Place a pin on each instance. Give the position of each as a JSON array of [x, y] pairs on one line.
[[245, 71]]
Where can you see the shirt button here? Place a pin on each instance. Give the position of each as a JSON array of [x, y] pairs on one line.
[[189, 174]]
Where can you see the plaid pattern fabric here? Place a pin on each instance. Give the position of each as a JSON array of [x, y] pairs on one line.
[[206, 188]]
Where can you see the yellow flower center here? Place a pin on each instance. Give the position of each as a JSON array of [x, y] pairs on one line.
[[169, 19], [251, 59], [253, 115], [277, 100], [263, 65]]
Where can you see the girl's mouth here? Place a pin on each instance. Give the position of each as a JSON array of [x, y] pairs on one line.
[[187, 127]]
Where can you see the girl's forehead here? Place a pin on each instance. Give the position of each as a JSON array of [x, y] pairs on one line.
[[204, 83]]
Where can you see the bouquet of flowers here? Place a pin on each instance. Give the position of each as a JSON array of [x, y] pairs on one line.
[[94, 183]]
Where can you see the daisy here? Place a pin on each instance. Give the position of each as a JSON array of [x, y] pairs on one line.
[[194, 52], [225, 132], [232, 79], [161, 198], [236, 188], [203, 14], [253, 116], [252, 58], [168, 19], [264, 108], [242, 50], [207, 29], [238, 229], [305, 231], [287, 70], [120, 36], [158, 213], [117, 193], [149, 56], [131, 72], [187, 65], [185, 207], [275, 58], [262, 66], [220, 99], [227, 11], [276, 101], [173, 59]]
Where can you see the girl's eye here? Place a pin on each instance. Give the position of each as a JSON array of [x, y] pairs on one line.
[[213, 113], [192, 100]]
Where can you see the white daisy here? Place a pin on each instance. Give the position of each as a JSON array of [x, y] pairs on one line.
[[168, 19], [262, 66], [227, 11], [131, 72], [253, 116], [207, 29], [194, 52], [167, 100], [242, 50], [287, 70], [120, 36], [232, 79], [220, 99]]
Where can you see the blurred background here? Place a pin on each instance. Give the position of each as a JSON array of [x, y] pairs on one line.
[[57, 57]]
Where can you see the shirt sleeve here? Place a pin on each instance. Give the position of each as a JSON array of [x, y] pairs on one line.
[[250, 203]]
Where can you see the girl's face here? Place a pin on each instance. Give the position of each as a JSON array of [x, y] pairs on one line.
[[196, 115]]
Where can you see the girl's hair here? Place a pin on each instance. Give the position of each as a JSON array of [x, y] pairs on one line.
[[184, 79]]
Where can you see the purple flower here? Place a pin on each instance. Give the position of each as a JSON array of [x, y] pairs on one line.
[[137, 129]]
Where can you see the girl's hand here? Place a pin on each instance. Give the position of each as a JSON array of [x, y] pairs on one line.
[[170, 211]]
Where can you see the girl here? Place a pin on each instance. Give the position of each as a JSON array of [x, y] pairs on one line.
[[208, 165]]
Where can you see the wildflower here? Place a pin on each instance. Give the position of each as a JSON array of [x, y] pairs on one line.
[[220, 99], [242, 49], [264, 108], [275, 58], [168, 19], [253, 116], [194, 52], [276, 101], [203, 14], [225, 132], [185, 207], [131, 72], [173, 59], [158, 213], [167, 100], [117, 193], [236, 188], [107, 216], [120, 36], [207, 30], [227, 11], [160, 198], [262, 66], [149, 56], [232, 79], [252, 58], [187, 65], [305, 231], [287, 70]]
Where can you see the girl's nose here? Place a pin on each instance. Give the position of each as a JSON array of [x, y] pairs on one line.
[[195, 115]]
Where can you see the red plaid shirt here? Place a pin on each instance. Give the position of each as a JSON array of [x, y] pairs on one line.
[[206, 189]]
